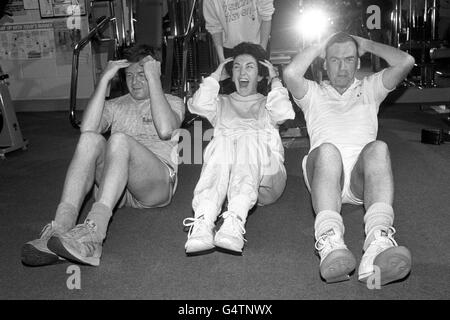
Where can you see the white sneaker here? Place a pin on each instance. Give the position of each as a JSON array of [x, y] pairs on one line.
[[394, 261], [231, 234], [336, 261], [36, 252], [81, 244], [200, 235]]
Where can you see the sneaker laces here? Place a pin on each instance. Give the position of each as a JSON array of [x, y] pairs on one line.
[[87, 228], [194, 223], [45, 230], [385, 239], [48, 230], [328, 242], [236, 222]]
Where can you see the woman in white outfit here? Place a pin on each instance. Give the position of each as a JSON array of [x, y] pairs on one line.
[[245, 159]]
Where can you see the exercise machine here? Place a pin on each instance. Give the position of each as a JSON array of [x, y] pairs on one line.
[[10, 134], [414, 28], [114, 44]]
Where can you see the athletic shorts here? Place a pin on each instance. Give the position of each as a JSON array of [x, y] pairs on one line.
[[348, 161], [128, 200]]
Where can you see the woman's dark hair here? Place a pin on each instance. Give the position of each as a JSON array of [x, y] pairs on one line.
[[136, 53], [254, 50]]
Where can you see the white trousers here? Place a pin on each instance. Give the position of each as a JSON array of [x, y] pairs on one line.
[[243, 168]]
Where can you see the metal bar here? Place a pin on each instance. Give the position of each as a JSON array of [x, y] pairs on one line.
[[167, 81], [395, 18], [83, 42], [131, 17], [433, 20], [73, 92], [185, 52], [400, 26], [173, 17], [191, 17], [122, 25], [116, 27], [425, 20], [75, 63], [190, 31]]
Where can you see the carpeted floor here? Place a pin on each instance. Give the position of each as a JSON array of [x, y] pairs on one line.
[[143, 256]]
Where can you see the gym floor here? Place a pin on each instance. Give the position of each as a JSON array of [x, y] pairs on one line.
[[143, 255]]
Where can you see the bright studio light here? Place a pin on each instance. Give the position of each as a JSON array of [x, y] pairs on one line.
[[312, 24]]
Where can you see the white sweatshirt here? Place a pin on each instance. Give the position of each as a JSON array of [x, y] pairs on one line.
[[238, 20], [233, 115]]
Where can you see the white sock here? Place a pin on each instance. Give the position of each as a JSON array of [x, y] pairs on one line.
[[327, 219], [100, 214], [379, 216], [66, 216]]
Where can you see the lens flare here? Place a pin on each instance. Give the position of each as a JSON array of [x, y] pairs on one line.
[[313, 23]]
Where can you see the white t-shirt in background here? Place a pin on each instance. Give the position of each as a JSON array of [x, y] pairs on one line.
[[238, 20]]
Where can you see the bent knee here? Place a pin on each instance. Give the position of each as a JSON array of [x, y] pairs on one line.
[[376, 150], [266, 198], [272, 191], [91, 138], [327, 152], [118, 140], [119, 137]]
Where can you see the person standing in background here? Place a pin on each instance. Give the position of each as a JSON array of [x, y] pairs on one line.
[[231, 22]]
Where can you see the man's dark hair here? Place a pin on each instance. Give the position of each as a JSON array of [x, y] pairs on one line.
[[136, 53], [341, 37], [254, 50]]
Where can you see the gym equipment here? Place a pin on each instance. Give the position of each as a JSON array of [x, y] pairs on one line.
[[10, 135], [3, 12], [414, 29], [115, 45], [189, 54], [186, 45], [432, 136], [189, 50]]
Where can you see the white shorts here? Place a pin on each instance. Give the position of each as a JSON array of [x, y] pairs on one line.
[[348, 163]]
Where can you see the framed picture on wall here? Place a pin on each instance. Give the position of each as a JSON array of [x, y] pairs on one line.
[[62, 8]]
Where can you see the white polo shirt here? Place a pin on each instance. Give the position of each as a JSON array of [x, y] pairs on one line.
[[348, 121]]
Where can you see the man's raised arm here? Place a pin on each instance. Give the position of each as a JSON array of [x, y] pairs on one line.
[[400, 62], [93, 114], [294, 73], [166, 121]]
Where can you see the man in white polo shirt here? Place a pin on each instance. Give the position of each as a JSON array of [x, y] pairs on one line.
[[346, 164]]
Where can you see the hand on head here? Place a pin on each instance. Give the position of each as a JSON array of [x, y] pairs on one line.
[[361, 44], [113, 66], [220, 71], [360, 41], [152, 67], [273, 72]]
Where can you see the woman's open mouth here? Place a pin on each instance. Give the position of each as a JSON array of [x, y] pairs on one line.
[[243, 83]]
